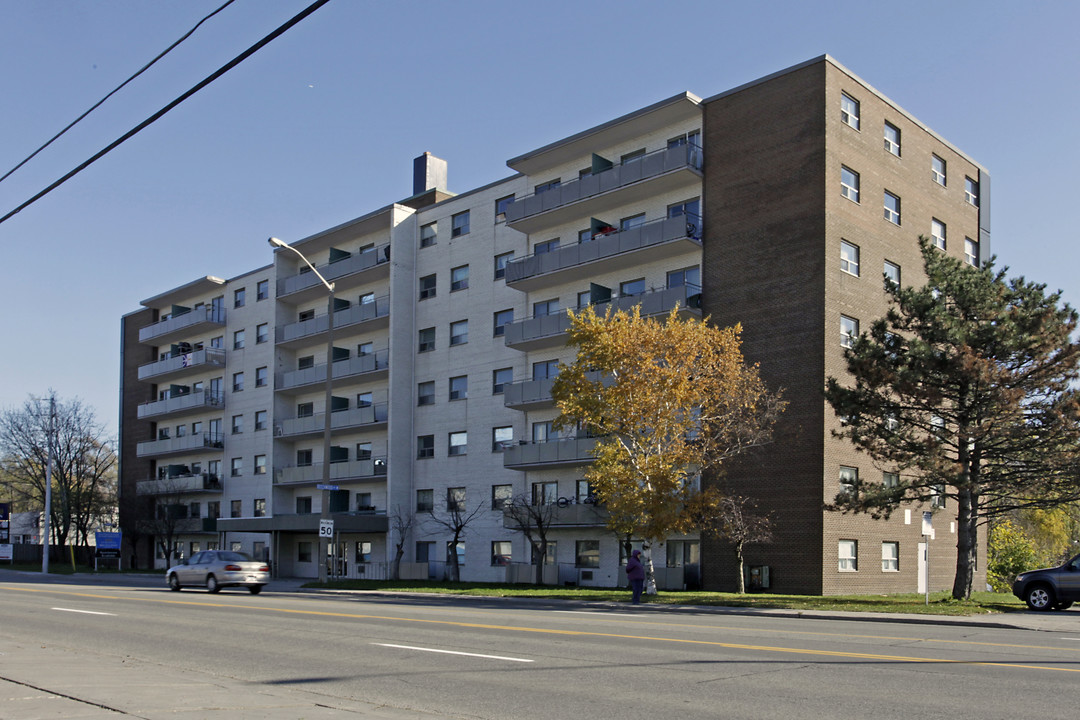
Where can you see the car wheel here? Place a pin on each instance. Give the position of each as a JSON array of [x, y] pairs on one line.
[[212, 584], [256, 589], [1063, 605], [174, 583], [1039, 597]]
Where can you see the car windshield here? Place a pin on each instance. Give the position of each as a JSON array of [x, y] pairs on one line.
[[233, 557]]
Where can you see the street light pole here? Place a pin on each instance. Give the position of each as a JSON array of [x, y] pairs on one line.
[[324, 513], [48, 489]]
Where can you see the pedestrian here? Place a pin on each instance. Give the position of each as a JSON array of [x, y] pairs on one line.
[[635, 572]]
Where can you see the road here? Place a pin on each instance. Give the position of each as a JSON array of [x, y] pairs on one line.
[[90, 651]]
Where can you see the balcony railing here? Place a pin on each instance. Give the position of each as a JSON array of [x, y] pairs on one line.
[[182, 364], [339, 471], [355, 263], [617, 249], [182, 404], [177, 325], [353, 315], [354, 368], [194, 443], [573, 514], [648, 174], [553, 453], [547, 331], [533, 394], [341, 420], [198, 482]]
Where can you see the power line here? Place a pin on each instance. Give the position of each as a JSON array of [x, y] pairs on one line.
[[96, 105], [156, 116]]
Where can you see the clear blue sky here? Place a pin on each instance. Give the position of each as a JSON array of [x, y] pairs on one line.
[[322, 125]]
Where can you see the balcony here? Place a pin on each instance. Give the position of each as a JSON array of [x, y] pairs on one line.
[[201, 442], [372, 315], [180, 485], [372, 468], [188, 404], [373, 366], [183, 364], [553, 453], [549, 331], [573, 514], [183, 324], [609, 252], [534, 394], [631, 182], [349, 272], [341, 420]]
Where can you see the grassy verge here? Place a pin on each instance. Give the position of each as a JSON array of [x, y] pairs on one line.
[[59, 568], [940, 603]]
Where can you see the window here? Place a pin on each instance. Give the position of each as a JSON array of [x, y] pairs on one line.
[[425, 393], [890, 479], [687, 277], [238, 340], [629, 223], [455, 498], [892, 139], [500, 552], [849, 184], [937, 233], [260, 507], [239, 298], [237, 424], [260, 419], [542, 248], [459, 332], [690, 209], [459, 387], [365, 348], [585, 492], [542, 432], [262, 376], [501, 319], [584, 299], [892, 274], [303, 551], [459, 224], [262, 333], [363, 452], [237, 465], [500, 264], [363, 551], [971, 191], [427, 340], [632, 287], [848, 552], [632, 157], [890, 557], [238, 382], [549, 556], [217, 342], [500, 379], [303, 458], [213, 469], [303, 505], [459, 278], [195, 510], [546, 307], [457, 552], [545, 493], [366, 299], [849, 258], [305, 315], [305, 409], [545, 370], [937, 169], [849, 480], [892, 208], [971, 252], [425, 446], [235, 508], [428, 233], [425, 500], [458, 443], [587, 554], [502, 438], [303, 363], [427, 287], [549, 185], [260, 464], [849, 330], [500, 206], [501, 495], [262, 290], [849, 110]]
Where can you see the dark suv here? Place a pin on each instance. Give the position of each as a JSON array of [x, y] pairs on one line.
[[1051, 588]]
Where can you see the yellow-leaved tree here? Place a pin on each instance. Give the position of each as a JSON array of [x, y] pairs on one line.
[[668, 399]]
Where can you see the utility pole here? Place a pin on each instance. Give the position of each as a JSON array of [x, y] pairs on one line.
[[48, 488]]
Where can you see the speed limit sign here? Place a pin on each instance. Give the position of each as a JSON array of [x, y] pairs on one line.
[[326, 528]]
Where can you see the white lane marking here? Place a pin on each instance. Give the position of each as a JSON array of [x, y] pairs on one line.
[[85, 612], [453, 652]]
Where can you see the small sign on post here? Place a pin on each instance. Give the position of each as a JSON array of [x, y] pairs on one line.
[[108, 547], [326, 528], [928, 534]]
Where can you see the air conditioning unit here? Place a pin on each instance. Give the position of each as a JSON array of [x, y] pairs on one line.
[[278, 431]]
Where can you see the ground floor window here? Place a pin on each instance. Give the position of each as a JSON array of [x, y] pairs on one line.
[[549, 555], [587, 553], [455, 549], [303, 552], [890, 557], [500, 552], [363, 551], [848, 552]]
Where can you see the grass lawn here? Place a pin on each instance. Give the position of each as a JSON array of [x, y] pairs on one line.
[[940, 603]]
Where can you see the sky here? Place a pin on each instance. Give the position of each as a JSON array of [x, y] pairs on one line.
[[321, 126]]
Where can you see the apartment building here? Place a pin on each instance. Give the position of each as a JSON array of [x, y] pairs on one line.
[[779, 205]]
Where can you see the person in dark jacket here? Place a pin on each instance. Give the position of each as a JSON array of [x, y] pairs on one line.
[[635, 572]]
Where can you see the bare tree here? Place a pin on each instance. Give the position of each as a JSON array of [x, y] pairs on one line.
[[455, 520], [533, 520], [734, 520], [403, 523], [167, 519]]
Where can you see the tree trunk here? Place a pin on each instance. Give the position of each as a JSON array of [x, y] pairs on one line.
[[396, 570], [646, 560], [741, 584], [541, 557], [965, 544]]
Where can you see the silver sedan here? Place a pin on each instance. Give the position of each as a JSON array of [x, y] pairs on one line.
[[215, 569]]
